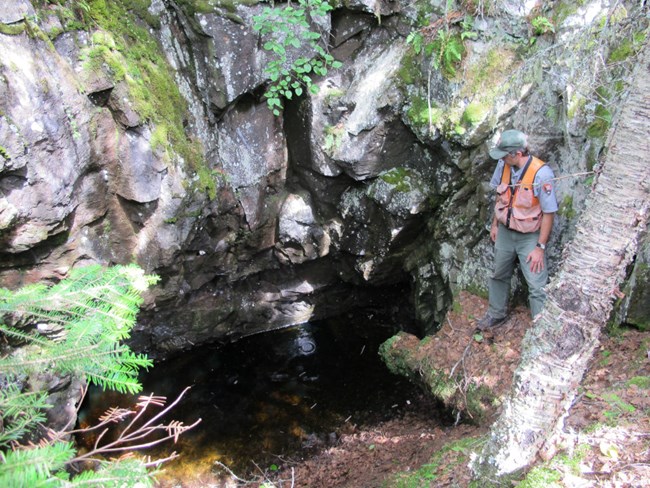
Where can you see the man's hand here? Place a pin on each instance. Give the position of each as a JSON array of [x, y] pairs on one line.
[[536, 260], [493, 231]]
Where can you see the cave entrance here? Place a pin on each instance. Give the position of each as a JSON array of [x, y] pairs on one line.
[[274, 396]]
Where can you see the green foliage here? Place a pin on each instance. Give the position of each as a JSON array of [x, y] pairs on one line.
[[289, 30], [467, 25], [90, 313], [415, 39], [448, 50], [120, 473], [541, 25], [35, 466], [409, 70], [21, 412], [96, 307], [4, 154], [602, 115]]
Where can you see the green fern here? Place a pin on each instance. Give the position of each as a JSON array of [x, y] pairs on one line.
[[448, 49]]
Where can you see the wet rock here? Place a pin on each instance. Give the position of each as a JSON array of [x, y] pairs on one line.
[[254, 158]]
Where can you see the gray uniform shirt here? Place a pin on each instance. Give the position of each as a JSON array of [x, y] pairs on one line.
[[543, 184]]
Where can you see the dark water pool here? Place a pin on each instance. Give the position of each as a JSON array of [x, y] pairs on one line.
[[273, 396]]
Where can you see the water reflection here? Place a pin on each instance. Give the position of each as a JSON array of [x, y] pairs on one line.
[[272, 396]]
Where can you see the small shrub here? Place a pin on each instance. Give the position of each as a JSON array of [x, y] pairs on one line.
[[289, 29]]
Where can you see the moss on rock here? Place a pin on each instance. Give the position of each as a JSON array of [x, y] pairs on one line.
[[133, 56], [12, 29], [404, 354]]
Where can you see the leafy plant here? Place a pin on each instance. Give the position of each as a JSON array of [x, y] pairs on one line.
[[541, 25], [468, 31], [416, 39], [448, 50], [74, 327], [290, 30]]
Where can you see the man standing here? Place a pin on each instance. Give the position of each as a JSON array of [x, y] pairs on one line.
[[522, 222]]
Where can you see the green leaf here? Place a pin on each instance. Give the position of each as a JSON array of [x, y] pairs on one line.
[[298, 91], [35, 465], [96, 307], [314, 89]]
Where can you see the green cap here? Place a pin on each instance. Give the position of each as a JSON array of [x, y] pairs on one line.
[[511, 140]]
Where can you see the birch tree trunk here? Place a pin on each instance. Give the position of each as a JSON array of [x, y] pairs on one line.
[[557, 348]]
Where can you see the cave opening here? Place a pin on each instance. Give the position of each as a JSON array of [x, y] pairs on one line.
[[274, 397]]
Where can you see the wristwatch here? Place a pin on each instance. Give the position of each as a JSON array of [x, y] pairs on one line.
[[541, 246]]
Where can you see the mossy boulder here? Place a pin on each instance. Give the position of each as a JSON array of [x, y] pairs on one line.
[[467, 370]]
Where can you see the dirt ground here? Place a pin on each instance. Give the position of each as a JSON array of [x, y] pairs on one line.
[[606, 442]]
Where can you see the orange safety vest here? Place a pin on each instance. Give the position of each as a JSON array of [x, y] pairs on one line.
[[519, 209]]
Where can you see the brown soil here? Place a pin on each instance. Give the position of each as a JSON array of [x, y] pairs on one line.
[[608, 423]]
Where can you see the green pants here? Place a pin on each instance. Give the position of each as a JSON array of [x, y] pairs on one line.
[[509, 247]]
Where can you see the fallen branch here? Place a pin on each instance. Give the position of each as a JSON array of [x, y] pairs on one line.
[[174, 429]]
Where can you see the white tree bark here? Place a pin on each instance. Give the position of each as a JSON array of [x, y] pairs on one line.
[[563, 338]]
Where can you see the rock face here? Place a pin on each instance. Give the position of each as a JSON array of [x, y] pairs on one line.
[[148, 140]]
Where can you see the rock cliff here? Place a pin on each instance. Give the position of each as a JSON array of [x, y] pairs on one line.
[[139, 132]]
